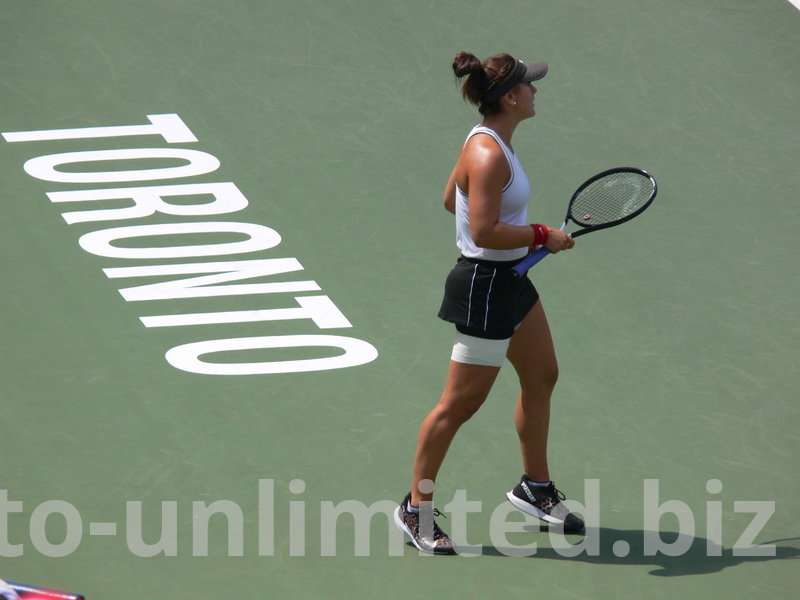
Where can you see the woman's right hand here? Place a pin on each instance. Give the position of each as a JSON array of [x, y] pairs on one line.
[[558, 240]]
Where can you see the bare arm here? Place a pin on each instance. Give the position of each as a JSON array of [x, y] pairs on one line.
[[487, 169], [450, 193]]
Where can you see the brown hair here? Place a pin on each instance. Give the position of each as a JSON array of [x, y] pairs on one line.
[[482, 77]]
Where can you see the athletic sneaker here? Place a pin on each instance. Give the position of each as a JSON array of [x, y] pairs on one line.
[[544, 503], [408, 523]]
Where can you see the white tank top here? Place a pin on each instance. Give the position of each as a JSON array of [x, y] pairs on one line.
[[513, 207]]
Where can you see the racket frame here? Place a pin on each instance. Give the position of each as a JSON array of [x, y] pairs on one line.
[[33, 592], [589, 228], [532, 259]]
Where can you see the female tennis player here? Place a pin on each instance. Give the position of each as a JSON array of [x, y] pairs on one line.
[[496, 315]]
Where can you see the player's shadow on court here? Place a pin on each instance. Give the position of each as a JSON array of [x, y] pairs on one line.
[[627, 547]]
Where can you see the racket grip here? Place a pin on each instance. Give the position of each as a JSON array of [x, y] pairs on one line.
[[526, 263]]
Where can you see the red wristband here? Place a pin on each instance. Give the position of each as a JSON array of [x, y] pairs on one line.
[[540, 234]]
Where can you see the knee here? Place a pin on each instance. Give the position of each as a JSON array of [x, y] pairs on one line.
[[551, 375], [458, 410], [542, 377], [465, 413]]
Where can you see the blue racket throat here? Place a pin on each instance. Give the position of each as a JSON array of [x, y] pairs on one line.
[[529, 261]]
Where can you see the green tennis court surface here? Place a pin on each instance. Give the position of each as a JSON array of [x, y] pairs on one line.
[[223, 253]]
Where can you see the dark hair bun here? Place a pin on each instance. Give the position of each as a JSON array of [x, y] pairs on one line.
[[466, 63], [482, 75]]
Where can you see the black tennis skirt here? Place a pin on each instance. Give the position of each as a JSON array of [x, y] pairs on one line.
[[485, 300]]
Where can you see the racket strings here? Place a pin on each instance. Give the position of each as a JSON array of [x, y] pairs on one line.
[[611, 198]]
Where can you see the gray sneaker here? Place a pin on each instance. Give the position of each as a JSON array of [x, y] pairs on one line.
[[545, 504], [408, 523]]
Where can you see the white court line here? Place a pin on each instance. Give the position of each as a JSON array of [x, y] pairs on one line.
[[796, 3]]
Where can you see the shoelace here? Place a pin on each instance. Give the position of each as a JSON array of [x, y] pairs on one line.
[[557, 493], [437, 531]]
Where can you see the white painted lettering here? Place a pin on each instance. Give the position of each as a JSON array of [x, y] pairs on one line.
[[259, 238], [196, 287], [187, 356], [149, 200], [44, 167], [166, 241], [169, 126], [319, 309]]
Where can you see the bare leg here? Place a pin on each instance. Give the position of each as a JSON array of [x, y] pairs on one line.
[[466, 390], [533, 355]]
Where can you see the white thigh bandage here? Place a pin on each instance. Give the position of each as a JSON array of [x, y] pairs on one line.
[[479, 351]]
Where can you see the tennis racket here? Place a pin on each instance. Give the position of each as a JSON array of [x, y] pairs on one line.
[[605, 200], [31, 592]]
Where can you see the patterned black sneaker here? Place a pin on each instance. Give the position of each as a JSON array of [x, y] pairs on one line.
[[545, 504], [408, 523]]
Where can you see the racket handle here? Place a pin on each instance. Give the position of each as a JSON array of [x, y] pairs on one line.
[[526, 263]]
